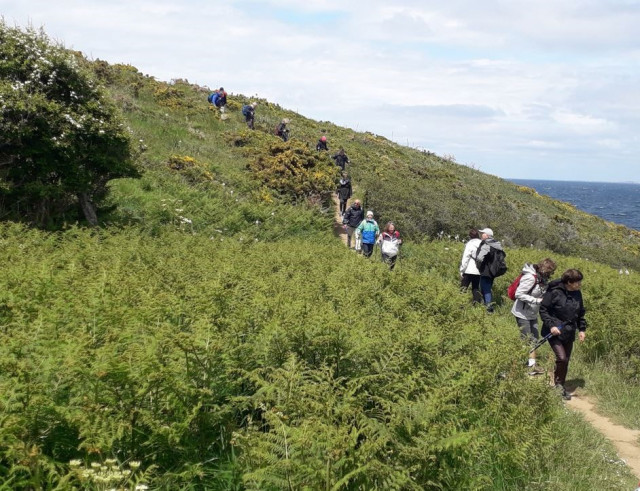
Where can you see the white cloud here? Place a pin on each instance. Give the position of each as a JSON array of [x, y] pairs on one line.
[[495, 82]]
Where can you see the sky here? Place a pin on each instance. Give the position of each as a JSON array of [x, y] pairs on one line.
[[520, 89]]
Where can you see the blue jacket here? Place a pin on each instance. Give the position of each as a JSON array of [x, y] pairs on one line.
[[369, 230]]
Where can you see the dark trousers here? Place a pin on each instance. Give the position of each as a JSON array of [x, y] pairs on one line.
[[343, 205], [390, 260], [367, 249], [486, 284], [562, 349], [249, 120], [474, 281]]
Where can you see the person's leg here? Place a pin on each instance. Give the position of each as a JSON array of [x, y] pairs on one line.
[[465, 281], [485, 287], [367, 249], [392, 262], [562, 360], [350, 231], [475, 288], [343, 206]]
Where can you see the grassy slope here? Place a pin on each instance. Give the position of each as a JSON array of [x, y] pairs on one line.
[[148, 299]]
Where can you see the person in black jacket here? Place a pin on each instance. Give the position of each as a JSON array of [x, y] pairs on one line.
[[322, 144], [282, 131], [341, 159], [562, 312], [344, 192], [351, 219]]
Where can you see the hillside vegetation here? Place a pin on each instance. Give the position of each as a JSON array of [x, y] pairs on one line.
[[213, 334]]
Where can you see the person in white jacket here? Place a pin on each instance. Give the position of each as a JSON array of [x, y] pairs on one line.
[[469, 274], [532, 286]]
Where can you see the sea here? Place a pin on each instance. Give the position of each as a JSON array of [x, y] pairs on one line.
[[615, 202]]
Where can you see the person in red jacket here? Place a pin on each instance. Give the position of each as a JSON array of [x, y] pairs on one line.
[[390, 244]]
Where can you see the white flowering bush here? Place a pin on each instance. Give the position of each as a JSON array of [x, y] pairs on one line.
[[62, 139]]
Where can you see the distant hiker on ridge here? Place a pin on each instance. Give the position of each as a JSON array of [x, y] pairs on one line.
[[322, 144], [369, 231], [249, 112], [344, 192], [351, 219], [469, 274], [282, 131], [490, 262], [341, 159], [532, 285]]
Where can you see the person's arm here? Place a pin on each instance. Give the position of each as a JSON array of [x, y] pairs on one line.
[[466, 257], [582, 322], [482, 253], [525, 288], [547, 311], [350, 190]]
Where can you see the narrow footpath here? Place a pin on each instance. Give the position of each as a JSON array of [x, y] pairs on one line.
[[625, 440], [338, 229]]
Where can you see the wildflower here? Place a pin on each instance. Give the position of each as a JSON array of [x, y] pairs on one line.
[[75, 463], [134, 464], [141, 487]]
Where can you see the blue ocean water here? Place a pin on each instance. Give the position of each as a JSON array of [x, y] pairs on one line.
[[616, 202]]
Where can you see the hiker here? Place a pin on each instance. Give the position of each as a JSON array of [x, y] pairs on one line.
[[369, 231], [351, 219], [322, 144], [469, 274], [249, 112], [341, 159], [282, 131], [390, 244], [344, 192], [562, 312], [218, 98], [533, 283], [490, 263]]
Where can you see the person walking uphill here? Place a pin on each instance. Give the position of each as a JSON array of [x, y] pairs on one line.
[[351, 219], [282, 131], [341, 159], [344, 192], [469, 274], [369, 231], [562, 312], [490, 262], [390, 244], [534, 281]]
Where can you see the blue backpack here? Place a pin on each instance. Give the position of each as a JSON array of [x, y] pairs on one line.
[[213, 97], [246, 110]]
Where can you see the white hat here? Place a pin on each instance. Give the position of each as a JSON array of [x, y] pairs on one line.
[[369, 213], [487, 231]]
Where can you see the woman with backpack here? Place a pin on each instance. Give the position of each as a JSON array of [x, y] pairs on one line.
[[249, 113], [390, 244], [469, 274], [530, 288], [562, 312]]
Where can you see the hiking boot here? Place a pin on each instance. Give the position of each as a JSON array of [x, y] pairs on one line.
[[563, 392], [536, 370]]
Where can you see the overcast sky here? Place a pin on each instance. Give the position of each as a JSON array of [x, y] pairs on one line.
[[541, 89]]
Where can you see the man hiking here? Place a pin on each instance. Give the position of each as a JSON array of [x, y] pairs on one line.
[[351, 219], [344, 192], [249, 111], [341, 159], [491, 264], [322, 144], [282, 131]]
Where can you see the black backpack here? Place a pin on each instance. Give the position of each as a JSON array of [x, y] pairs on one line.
[[494, 261]]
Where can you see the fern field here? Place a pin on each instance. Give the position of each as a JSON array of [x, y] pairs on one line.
[[214, 335]]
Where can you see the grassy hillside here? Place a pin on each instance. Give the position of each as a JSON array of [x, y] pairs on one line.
[[215, 335]]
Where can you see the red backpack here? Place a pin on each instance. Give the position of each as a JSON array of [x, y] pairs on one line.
[[511, 291]]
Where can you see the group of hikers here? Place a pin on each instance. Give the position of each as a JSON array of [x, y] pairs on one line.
[[558, 302]]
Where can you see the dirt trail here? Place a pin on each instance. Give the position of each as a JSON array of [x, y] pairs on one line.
[[338, 229], [624, 439]]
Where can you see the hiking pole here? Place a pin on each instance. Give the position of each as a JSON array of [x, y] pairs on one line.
[[543, 340]]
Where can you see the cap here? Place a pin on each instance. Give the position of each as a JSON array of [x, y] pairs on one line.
[[369, 213], [324, 138], [487, 231]]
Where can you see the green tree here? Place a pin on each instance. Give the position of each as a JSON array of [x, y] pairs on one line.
[[61, 138]]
